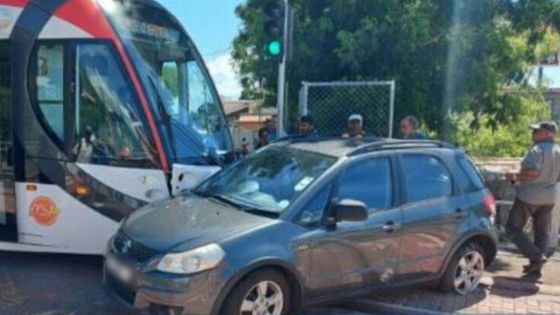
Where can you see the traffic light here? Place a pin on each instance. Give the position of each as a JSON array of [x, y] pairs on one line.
[[274, 28]]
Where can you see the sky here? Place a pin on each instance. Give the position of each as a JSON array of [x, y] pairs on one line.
[[212, 24]]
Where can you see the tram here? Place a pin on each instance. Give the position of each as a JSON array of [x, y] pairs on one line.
[[105, 106]]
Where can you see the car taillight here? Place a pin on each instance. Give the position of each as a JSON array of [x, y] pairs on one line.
[[490, 204]]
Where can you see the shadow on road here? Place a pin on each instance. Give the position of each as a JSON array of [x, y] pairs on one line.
[[510, 287], [500, 264]]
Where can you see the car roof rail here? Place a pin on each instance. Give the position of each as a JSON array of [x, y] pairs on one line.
[[316, 137], [389, 144]]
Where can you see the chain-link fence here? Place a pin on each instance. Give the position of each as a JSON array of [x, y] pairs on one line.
[[331, 103]]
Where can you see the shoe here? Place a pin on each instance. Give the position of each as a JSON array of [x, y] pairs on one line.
[[534, 266]]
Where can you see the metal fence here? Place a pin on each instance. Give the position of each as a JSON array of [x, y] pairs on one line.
[[331, 103]]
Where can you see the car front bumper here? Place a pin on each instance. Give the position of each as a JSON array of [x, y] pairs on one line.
[[186, 294]]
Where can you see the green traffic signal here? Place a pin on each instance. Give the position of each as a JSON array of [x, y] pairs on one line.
[[274, 48]]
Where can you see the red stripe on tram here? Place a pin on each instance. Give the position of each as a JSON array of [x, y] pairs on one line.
[[88, 16], [14, 3]]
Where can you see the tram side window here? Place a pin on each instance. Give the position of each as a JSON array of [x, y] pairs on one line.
[[50, 86], [107, 125], [203, 107]]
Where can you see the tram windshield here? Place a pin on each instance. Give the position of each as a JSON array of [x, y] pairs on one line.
[[178, 85]]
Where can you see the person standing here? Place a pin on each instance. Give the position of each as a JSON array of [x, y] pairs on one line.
[[270, 126], [409, 129], [305, 126], [536, 196], [264, 138], [355, 127]]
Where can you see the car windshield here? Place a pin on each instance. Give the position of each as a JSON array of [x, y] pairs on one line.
[[269, 179], [180, 88]]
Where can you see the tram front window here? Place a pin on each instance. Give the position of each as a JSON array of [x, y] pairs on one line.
[[179, 87], [99, 120]]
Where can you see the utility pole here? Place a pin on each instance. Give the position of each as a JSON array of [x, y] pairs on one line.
[[280, 105], [276, 14]]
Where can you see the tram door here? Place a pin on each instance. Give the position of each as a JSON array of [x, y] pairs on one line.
[[8, 226]]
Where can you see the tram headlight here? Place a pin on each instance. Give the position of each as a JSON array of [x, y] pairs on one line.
[[196, 260]]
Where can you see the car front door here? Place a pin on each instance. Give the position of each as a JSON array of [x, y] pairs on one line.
[[431, 215], [352, 255]]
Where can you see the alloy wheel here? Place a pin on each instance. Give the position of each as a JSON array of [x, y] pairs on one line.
[[264, 298], [468, 272]]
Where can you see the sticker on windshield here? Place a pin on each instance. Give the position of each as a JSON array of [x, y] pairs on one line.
[[284, 204], [303, 183]]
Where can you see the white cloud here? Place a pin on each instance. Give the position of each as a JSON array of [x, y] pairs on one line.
[[224, 74]]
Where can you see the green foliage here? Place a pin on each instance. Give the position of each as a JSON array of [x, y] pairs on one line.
[[468, 57], [509, 139], [170, 76]]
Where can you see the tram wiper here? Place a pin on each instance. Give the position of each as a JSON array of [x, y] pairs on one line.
[[165, 117]]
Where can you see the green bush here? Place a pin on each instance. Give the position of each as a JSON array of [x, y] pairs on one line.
[[482, 137]]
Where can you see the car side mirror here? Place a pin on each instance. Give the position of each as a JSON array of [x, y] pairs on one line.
[[350, 210]]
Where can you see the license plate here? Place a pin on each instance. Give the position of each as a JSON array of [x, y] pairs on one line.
[[121, 271]]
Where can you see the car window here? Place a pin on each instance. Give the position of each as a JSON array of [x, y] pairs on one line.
[[270, 179], [368, 181], [50, 86], [313, 211], [473, 181], [425, 178]]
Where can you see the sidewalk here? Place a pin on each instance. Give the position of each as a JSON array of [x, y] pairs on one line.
[[504, 291]]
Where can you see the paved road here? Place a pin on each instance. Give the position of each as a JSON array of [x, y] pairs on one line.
[[59, 284]]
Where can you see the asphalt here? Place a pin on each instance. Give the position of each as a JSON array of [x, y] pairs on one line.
[[64, 285]]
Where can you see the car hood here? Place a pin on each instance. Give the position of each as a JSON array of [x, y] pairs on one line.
[[187, 222]]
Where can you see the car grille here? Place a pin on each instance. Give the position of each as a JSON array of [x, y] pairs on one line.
[[126, 247]]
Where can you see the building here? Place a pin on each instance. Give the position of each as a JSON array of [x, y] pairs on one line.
[[553, 98], [235, 108], [245, 118]]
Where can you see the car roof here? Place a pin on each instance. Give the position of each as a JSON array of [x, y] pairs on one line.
[[339, 147]]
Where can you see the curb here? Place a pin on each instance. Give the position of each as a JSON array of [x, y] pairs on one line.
[[374, 306]]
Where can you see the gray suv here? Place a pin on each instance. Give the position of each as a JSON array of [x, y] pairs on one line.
[[307, 221]]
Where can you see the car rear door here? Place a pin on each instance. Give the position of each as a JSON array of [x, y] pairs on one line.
[[352, 255], [431, 214]]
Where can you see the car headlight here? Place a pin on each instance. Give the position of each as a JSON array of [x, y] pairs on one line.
[[196, 260]]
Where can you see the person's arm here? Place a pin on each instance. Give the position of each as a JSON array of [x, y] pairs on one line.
[[523, 176], [530, 167]]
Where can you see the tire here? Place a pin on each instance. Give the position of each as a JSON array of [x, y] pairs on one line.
[[244, 297], [465, 270]]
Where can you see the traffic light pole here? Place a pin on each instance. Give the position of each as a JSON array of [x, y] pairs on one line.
[[281, 106]]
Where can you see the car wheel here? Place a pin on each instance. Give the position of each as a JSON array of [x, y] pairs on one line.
[[465, 270], [264, 292]]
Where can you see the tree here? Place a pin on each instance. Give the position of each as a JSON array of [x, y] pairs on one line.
[[446, 56]]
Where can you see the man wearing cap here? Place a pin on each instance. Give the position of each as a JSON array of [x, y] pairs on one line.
[[535, 196], [355, 129]]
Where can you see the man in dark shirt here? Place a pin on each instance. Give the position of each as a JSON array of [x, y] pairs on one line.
[[264, 138], [305, 126]]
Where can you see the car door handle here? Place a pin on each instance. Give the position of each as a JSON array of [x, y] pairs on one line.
[[460, 214], [390, 227]]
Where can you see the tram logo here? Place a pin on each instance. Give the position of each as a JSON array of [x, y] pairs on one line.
[[44, 211], [6, 19]]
